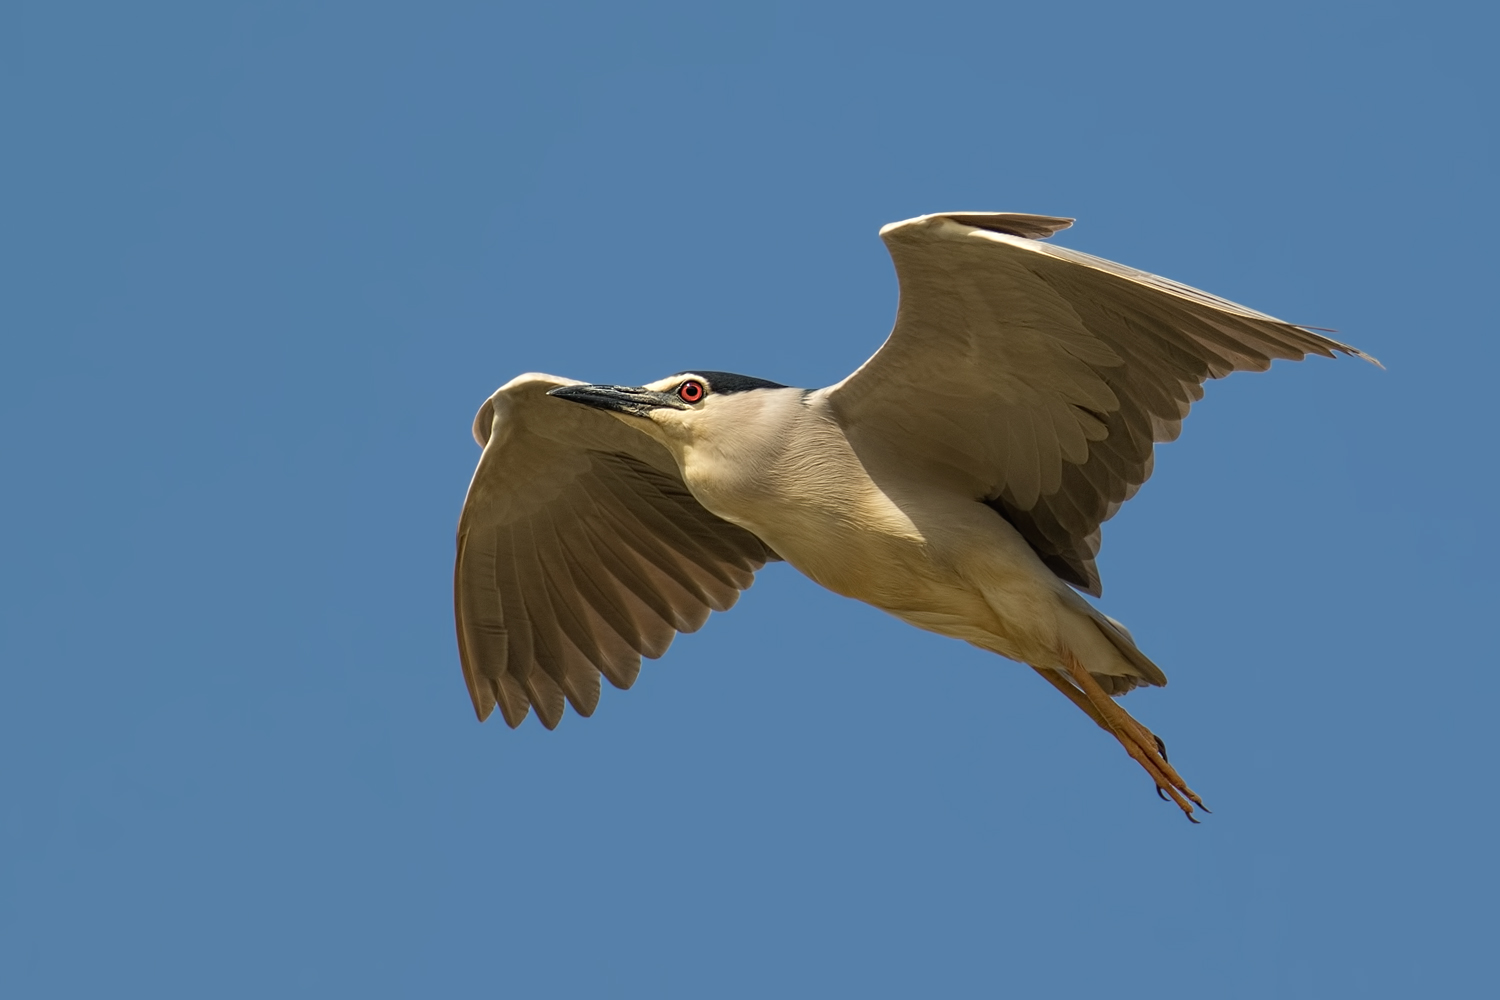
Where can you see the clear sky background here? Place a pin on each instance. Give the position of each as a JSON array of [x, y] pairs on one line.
[[261, 264]]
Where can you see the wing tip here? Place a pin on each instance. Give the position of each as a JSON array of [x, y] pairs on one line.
[[1335, 347]]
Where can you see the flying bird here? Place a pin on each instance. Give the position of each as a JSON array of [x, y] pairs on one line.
[[957, 479]]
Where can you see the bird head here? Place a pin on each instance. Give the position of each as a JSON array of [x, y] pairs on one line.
[[678, 408]]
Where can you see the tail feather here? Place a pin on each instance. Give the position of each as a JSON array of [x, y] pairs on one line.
[[1119, 636]]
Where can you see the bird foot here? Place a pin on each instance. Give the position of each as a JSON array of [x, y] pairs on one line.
[[1143, 746]]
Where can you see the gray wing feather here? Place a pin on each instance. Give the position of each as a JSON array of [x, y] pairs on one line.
[[1038, 379], [580, 550]]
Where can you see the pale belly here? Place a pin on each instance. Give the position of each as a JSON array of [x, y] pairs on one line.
[[962, 577], [939, 561]]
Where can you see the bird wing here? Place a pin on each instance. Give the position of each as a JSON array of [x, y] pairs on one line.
[[580, 550], [1038, 379]]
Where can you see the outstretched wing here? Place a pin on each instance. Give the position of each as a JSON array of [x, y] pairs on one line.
[[580, 550], [1037, 379]]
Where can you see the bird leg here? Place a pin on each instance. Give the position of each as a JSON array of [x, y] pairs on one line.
[[1139, 742]]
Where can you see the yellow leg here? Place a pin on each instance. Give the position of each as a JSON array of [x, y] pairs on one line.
[[1139, 742]]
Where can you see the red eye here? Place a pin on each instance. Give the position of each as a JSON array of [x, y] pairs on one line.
[[690, 392]]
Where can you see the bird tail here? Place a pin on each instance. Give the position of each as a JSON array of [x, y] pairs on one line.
[[1120, 637]]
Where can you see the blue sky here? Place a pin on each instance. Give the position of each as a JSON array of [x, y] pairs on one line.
[[262, 262]]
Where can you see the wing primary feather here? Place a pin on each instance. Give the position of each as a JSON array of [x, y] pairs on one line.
[[676, 595], [614, 592], [557, 632], [539, 643], [521, 659], [481, 691], [486, 638], [608, 597], [637, 589], [610, 646], [604, 597]]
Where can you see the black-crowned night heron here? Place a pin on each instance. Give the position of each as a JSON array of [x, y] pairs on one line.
[[957, 480]]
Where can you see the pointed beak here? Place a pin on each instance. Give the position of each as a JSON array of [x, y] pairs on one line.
[[632, 400]]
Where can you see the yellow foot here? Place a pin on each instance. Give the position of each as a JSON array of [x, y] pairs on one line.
[[1144, 747]]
